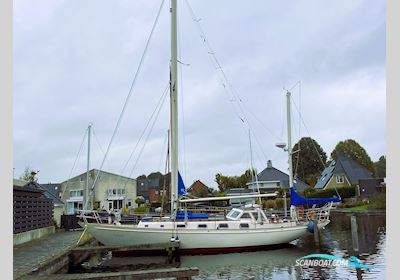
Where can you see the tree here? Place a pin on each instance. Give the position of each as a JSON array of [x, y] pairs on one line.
[[380, 167], [355, 151], [155, 175], [309, 160], [139, 201], [230, 182], [29, 175]]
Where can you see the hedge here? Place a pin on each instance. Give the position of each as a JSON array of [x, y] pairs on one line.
[[344, 192]]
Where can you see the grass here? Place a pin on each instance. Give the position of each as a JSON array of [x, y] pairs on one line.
[[361, 207]]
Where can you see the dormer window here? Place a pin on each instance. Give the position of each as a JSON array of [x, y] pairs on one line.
[[340, 179]]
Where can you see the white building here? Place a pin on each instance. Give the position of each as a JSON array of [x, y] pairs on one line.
[[111, 191]]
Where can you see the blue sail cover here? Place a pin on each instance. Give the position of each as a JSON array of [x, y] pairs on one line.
[[296, 199], [191, 216], [181, 185]]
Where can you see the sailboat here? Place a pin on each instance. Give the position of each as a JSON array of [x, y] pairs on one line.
[[240, 228]]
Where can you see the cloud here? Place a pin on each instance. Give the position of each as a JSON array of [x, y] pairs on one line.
[[74, 63]]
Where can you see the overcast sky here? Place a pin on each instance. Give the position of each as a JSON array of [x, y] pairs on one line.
[[74, 62]]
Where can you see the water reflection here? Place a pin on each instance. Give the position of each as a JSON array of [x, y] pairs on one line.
[[280, 263]]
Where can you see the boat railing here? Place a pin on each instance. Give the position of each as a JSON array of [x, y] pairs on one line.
[[321, 214], [302, 215], [89, 216]]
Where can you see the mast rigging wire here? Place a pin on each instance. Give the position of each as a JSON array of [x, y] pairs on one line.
[[149, 133], [308, 132], [97, 141], [183, 135], [145, 128], [128, 96], [223, 78], [76, 159]]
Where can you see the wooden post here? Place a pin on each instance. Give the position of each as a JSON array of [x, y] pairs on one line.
[[177, 255], [316, 233], [354, 233], [169, 258]]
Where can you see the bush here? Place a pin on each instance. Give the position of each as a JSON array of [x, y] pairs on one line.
[[142, 209], [309, 191], [282, 191], [270, 203], [279, 203], [344, 192], [96, 205], [378, 201], [350, 204]]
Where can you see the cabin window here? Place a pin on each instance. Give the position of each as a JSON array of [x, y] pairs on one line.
[[202, 226], [223, 226], [161, 225], [180, 226], [146, 225], [246, 216], [340, 179], [244, 225], [234, 214]]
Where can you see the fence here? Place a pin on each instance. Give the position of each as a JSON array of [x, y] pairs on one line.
[[32, 210], [70, 222]]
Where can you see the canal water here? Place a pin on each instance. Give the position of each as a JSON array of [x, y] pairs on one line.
[[281, 263]]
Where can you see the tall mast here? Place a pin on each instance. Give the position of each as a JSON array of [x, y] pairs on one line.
[[253, 172], [174, 108], [289, 135], [85, 202], [289, 148]]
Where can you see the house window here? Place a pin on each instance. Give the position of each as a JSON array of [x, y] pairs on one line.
[[123, 191], [109, 192], [340, 179], [76, 193]]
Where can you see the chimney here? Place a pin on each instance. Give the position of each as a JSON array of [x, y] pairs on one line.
[[269, 164]]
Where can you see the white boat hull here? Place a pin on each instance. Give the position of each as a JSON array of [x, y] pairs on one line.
[[129, 235]]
